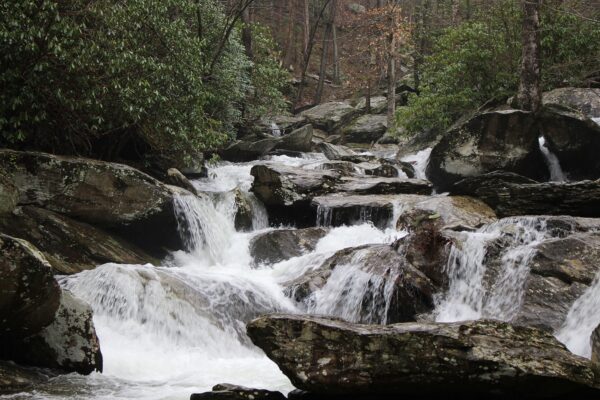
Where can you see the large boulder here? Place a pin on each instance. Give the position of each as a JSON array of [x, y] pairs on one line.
[[69, 343], [561, 270], [330, 116], [378, 104], [9, 194], [285, 123], [482, 358], [298, 140], [496, 140], [68, 245], [365, 129], [248, 149], [571, 134], [108, 195], [510, 194], [29, 294], [369, 284], [334, 152], [283, 244]]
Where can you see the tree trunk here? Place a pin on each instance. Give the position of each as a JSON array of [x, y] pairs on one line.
[[306, 26], [530, 96], [368, 98], [290, 52], [247, 32], [391, 99], [336, 54], [455, 11], [324, 54]]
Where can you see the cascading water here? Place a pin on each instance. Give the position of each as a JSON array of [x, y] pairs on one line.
[[470, 295], [275, 130], [419, 162], [171, 330], [583, 318], [556, 172]]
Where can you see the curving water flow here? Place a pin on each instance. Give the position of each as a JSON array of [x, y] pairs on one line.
[[556, 172], [179, 328]]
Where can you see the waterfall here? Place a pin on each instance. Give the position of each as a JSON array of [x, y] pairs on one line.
[[556, 172], [583, 318], [275, 131], [419, 162], [469, 295]]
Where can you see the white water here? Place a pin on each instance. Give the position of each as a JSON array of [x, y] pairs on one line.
[[556, 172], [419, 162], [275, 131], [583, 318], [467, 297], [171, 330]]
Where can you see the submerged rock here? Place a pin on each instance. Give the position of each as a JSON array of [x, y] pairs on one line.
[[15, 378], [334, 358], [69, 343], [283, 244], [496, 140], [226, 391], [390, 289], [511, 194], [68, 245], [29, 294]]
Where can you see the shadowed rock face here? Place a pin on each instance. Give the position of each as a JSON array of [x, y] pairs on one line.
[[226, 391], [511, 195], [497, 140], [29, 294], [108, 195], [15, 378], [330, 357], [68, 245]]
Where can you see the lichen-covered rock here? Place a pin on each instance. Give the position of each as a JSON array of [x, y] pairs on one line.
[[226, 391], [583, 100], [330, 116], [392, 290], [69, 343], [68, 245], [282, 244], [29, 294], [9, 194], [378, 104], [484, 358], [105, 194], [496, 140], [511, 195], [365, 129]]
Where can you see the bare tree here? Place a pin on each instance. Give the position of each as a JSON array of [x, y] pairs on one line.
[[530, 95]]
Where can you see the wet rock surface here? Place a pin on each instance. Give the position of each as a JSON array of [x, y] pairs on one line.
[[226, 391], [15, 378], [68, 245], [510, 195], [69, 343], [397, 291], [496, 140], [330, 357], [275, 246]]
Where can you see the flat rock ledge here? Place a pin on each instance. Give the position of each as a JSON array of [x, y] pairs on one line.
[[329, 357]]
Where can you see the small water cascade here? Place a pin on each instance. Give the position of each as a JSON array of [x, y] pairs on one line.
[[478, 289], [419, 162], [275, 131], [583, 318], [556, 172]]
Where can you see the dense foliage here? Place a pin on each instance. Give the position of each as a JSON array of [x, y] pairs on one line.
[[76, 73], [478, 61]]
